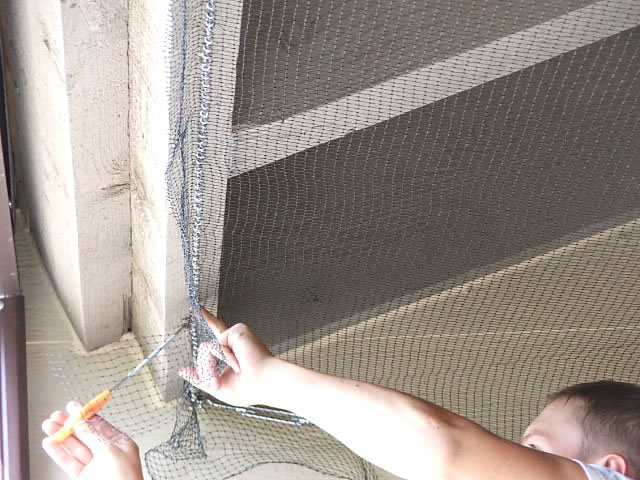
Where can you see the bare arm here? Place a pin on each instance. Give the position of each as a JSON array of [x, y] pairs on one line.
[[367, 418], [407, 436]]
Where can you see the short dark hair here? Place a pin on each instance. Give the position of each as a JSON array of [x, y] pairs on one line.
[[611, 418]]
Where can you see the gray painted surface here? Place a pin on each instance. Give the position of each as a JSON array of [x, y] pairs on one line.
[[445, 189], [297, 55]]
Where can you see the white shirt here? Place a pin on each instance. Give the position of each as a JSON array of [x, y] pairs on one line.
[[596, 472]]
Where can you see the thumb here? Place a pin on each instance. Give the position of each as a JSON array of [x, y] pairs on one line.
[[96, 432], [244, 345]]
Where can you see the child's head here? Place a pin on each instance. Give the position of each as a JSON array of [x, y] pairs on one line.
[[596, 423]]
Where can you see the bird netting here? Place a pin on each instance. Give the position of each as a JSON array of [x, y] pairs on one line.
[[439, 197]]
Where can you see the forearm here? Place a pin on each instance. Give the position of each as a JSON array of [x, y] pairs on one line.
[[407, 436], [400, 433]]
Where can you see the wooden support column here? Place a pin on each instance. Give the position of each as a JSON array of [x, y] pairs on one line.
[[159, 297], [68, 101], [160, 300]]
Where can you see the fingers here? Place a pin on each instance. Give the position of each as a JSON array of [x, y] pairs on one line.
[[230, 358], [72, 406], [190, 374], [219, 351], [240, 335], [72, 445], [217, 325], [232, 337], [72, 466], [59, 416], [108, 433], [96, 432], [207, 362]]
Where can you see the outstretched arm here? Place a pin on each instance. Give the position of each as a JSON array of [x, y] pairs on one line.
[[407, 436]]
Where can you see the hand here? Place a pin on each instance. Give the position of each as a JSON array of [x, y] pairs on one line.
[[96, 450], [246, 356]]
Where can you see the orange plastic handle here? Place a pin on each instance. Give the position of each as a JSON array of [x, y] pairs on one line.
[[85, 413]]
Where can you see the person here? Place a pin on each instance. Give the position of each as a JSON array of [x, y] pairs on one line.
[[586, 432]]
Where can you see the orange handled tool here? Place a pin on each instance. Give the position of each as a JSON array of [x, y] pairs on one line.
[[85, 413], [95, 405]]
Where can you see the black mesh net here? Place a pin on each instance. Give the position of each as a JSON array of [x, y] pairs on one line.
[[439, 197]]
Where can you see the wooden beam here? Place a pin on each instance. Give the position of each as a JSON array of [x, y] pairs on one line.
[[68, 98], [259, 146]]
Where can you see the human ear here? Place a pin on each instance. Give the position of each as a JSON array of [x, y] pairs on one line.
[[616, 462]]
